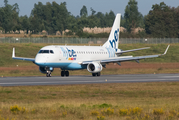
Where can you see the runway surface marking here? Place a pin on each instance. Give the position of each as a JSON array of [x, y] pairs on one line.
[[170, 76]]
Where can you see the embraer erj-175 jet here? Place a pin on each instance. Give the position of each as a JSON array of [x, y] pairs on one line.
[[92, 58]]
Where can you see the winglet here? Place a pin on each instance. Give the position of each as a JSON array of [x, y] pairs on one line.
[[166, 50], [13, 53]]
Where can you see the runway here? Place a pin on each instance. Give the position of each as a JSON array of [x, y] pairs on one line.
[[57, 80]]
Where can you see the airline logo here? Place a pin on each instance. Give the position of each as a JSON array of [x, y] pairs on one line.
[[69, 54], [113, 42], [65, 53], [72, 54], [71, 58]]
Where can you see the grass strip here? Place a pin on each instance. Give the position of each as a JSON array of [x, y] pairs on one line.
[[154, 100]]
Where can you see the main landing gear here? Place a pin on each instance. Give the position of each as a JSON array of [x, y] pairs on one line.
[[96, 74], [64, 73]]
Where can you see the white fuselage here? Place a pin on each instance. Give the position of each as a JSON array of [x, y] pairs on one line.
[[70, 57]]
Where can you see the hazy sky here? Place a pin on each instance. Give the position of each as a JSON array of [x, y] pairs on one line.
[[74, 6]]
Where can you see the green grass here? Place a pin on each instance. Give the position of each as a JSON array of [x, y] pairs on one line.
[[30, 50], [112, 101]]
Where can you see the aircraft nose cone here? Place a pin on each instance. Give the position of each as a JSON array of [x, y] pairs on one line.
[[40, 59]]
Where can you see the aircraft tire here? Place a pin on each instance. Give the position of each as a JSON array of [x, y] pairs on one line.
[[94, 74], [48, 75], [62, 73], [67, 73], [98, 74]]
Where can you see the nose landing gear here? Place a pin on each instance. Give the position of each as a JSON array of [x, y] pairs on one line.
[[48, 74]]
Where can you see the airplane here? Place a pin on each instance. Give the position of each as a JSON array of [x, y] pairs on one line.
[[92, 58]]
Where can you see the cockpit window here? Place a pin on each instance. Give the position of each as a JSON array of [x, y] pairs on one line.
[[51, 51], [44, 51]]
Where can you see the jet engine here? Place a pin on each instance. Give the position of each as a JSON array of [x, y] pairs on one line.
[[44, 69], [94, 67]]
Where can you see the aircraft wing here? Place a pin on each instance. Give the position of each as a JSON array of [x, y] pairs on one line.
[[21, 58], [131, 50], [127, 58]]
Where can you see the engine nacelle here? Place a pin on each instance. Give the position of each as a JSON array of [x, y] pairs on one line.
[[94, 67], [44, 69]]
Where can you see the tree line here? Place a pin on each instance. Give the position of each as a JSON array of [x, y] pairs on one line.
[[162, 21]]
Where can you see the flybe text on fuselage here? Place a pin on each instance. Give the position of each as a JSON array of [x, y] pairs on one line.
[[69, 54]]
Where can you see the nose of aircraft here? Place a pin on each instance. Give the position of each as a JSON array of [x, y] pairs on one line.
[[40, 59]]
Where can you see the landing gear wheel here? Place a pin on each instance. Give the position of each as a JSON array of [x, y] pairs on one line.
[[98, 74], [93, 74], [67, 73], [62, 73], [48, 75]]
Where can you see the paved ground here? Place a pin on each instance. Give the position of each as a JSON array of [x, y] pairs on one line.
[[21, 81]]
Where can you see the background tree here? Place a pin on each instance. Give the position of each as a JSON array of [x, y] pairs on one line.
[[92, 11], [132, 16], [83, 11], [5, 3], [36, 18], [161, 22], [176, 15], [50, 17], [101, 17], [109, 18], [2, 17], [9, 17], [25, 23]]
